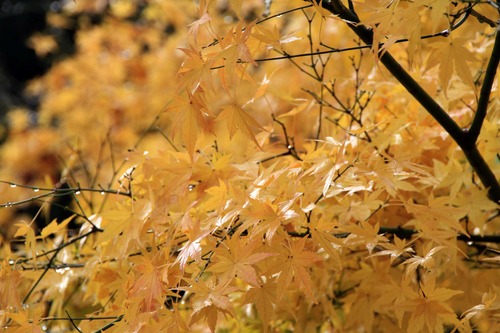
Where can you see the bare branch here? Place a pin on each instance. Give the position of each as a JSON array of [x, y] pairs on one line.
[[484, 95], [461, 137]]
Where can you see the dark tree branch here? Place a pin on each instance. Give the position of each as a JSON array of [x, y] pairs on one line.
[[462, 138], [408, 233], [483, 19], [484, 96]]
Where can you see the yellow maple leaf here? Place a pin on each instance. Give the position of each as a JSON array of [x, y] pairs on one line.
[[452, 57], [363, 233], [9, 286], [294, 267], [191, 117], [430, 308], [54, 227], [264, 297], [115, 222], [235, 54], [266, 217], [27, 320], [322, 235], [393, 294], [237, 119], [195, 71], [395, 250], [488, 303], [427, 261], [25, 230], [209, 300], [238, 259]]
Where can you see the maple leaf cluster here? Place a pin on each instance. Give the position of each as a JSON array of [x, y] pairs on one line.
[[244, 173]]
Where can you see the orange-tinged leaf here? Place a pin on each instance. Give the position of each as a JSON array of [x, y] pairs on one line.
[[438, 214], [394, 294], [192, 248], [218, 196], [26, 320], [266, 35], [302, 107], [148, 287], [204, 17], [487, 304], [234, 55]]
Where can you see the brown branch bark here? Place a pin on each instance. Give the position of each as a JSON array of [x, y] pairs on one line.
[[465, 141], [484, 95]]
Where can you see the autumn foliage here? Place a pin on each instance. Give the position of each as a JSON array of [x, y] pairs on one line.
[[256, 166]]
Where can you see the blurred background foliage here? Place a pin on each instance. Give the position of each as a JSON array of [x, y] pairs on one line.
[[83, 81], [80, 82]]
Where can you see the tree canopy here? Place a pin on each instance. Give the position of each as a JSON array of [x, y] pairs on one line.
[[256, 166]]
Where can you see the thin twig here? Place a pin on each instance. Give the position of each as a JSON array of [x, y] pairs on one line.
[[78, 318], [111, 324], [55, 192], [72, 321], [51, 260]]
